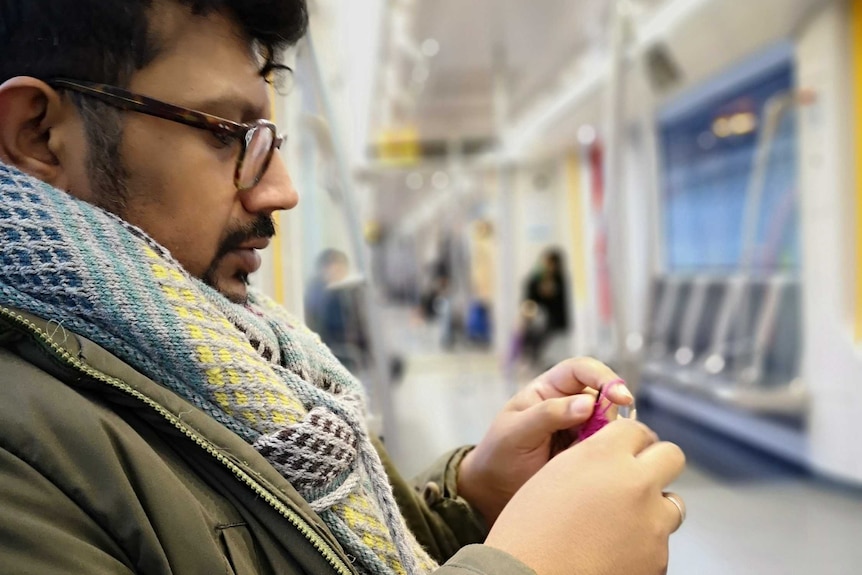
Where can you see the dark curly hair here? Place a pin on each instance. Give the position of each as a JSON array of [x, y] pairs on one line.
[[106, 41]]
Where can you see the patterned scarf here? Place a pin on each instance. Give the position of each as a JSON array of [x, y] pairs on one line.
[[252, 367]]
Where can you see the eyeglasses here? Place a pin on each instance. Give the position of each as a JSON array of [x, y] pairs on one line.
[[259, 139]]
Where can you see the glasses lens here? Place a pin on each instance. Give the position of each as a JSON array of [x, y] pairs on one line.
[[258, 144]]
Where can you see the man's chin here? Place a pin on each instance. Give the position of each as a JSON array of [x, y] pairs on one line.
[[229, 276], [235, 289]]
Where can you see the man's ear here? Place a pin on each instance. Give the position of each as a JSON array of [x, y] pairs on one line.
[[33, 122]]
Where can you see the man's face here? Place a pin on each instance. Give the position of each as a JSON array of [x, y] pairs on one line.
[[180, 185]]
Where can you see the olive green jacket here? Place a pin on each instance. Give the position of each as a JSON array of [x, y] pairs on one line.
[[104, 471]]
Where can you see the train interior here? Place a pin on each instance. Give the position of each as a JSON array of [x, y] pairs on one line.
[[689, 171]]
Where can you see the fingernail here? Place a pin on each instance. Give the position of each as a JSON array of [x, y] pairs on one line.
[[609, 385], [581, 405], [624, 391]]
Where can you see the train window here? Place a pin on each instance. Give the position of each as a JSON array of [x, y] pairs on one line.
[[709, 152]]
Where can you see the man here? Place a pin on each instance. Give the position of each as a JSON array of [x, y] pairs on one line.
[[160, 418]]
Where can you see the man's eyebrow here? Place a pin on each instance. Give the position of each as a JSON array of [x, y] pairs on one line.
[[230, 107]]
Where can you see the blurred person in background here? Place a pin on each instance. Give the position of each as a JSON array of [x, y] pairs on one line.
[[435, 304], [333, 310], [545, 310], [481, 282], [161, 417], [331, 267]]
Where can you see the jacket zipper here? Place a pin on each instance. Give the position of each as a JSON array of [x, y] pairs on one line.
[[319, 544]]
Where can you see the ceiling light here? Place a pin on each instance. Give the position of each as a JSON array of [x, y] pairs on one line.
[[586, 135], [742, 124], [430, 47], [721, 127]]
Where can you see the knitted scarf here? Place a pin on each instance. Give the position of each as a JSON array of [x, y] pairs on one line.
[[251, 367]]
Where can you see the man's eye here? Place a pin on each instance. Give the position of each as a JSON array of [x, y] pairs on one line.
[[224, 139]]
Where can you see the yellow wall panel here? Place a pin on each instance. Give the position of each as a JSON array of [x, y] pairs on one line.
[[577, 251]]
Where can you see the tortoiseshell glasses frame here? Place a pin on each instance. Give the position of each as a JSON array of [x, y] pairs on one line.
[[259, 139]]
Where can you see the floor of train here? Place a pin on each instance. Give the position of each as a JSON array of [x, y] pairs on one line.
[[747, 513]]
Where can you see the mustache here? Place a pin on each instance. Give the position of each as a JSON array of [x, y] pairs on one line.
[[261, 227]]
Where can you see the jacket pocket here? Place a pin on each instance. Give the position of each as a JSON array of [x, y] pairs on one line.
[[239, 549]]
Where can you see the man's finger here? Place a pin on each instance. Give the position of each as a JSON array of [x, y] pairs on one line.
[[676, 511], [664, 462], [633, 435], [535, 424], [573, 376]]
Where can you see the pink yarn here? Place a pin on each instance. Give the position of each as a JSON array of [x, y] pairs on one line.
[[599, 419]]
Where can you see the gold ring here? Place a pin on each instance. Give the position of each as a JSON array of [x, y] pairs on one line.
[[680, 506]]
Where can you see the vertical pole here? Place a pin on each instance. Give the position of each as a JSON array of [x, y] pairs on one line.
[[615, 208], [856, 66], [505, 304]]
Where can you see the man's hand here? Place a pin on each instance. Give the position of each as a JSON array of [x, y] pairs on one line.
[[536, 424], [597, 508]]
